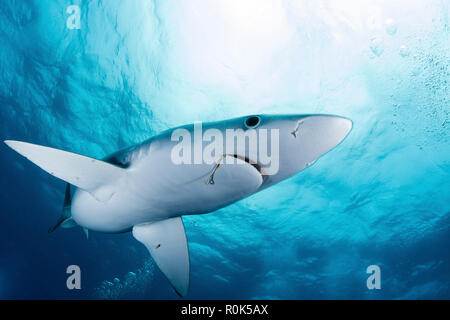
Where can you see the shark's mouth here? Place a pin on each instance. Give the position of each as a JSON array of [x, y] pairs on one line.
[[210, 179], [254, 164]]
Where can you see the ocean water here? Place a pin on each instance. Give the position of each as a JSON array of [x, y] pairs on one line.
[[136, 68]]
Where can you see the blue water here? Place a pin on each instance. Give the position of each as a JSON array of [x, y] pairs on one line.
[[136, 68]]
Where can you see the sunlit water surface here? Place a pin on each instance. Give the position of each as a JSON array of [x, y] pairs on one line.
[[136, 68]]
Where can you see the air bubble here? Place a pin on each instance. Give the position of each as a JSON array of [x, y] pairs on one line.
[[391, 27], [376, 45], [404, 51], [134, 283]]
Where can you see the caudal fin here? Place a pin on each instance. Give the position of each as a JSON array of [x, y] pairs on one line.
[[89, 174]]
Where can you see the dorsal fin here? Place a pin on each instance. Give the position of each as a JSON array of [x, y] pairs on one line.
[[89, 174]]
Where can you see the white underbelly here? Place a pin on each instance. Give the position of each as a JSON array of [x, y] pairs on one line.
[[154, 191], [118, 214]]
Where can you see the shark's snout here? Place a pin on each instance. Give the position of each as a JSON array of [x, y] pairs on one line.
[[339, 127], [302, 140], [346, 125], [321, 133]]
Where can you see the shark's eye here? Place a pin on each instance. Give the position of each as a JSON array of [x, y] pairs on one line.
[[252, 122]]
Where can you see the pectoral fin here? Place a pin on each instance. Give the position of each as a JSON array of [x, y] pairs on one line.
[[89, 174], [167, 244]]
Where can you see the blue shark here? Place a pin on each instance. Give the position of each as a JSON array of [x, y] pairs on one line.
[[140, 189]]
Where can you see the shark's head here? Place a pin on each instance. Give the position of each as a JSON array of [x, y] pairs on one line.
[[210, 165], [279, 146]]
